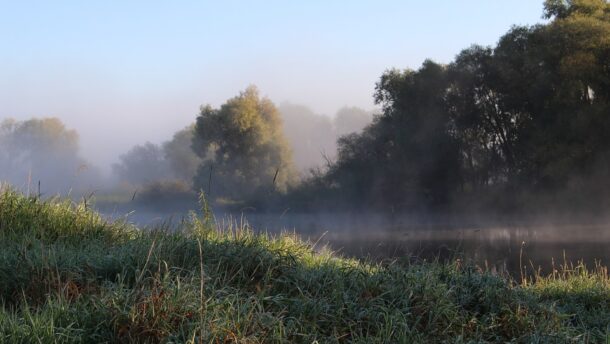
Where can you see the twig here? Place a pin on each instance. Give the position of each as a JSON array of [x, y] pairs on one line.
[[275, 176]]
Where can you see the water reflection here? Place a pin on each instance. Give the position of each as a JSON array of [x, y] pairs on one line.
[[510, 248]]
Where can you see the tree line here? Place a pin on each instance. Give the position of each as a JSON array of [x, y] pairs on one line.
[[522, 124], [246, 151]]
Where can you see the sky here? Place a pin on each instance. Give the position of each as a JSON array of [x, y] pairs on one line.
[[126, 72]]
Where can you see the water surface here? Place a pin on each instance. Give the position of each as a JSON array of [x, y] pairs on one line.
[[505, 248]]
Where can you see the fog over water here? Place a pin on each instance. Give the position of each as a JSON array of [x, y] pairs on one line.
[[500, 246], [377, 128]]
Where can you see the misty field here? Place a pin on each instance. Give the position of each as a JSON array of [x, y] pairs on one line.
[[69, 276]]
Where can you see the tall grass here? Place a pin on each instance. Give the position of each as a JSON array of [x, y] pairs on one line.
[[69, 276]]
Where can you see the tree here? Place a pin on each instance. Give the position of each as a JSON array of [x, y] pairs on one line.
[[180, 156], [406, 157], [527, 117], [557, 75], [529, 111], [486, 130], [310, 135], [143, 164], [313, 137], [563, 9], [351, 120], [423, 158], [243, 147], [42, 150]]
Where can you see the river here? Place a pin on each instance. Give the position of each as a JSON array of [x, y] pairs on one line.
[[510, 247]]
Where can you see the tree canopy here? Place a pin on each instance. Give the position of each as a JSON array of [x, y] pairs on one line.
[[143, 164], [313, 137], [529, 116], [178, 152], [42, 150], [243, 147]]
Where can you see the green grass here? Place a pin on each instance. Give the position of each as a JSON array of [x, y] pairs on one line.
[[68, 276]]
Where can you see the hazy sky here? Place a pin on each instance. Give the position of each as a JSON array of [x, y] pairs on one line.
[[123, 72]]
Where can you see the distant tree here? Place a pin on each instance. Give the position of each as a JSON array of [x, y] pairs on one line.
[[351, 120], [249, 152], [178, 152], [169, 163], [38, 136], [42, 150], [313, 137], [310, 135], [143, 164]]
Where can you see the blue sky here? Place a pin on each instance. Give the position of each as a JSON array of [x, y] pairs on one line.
[[138, 70]]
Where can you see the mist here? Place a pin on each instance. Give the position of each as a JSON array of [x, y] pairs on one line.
[[305, 171], [313, 137], [271, 114], [42, 155], [125, 74]]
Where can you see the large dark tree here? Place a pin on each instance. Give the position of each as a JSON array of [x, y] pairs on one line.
[[554, 79], [527, 117], [406, 156]]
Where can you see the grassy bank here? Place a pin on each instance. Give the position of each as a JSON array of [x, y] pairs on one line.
[[68, 276]]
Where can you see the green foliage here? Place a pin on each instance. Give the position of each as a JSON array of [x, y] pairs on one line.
[[406, 158], [564, 65], [68, 276], [143, 164], [244, 148], [181, 158], [172, 162], [527, 119], [566, 8]]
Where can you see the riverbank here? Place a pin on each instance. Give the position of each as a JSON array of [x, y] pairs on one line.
[[67, 275]]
